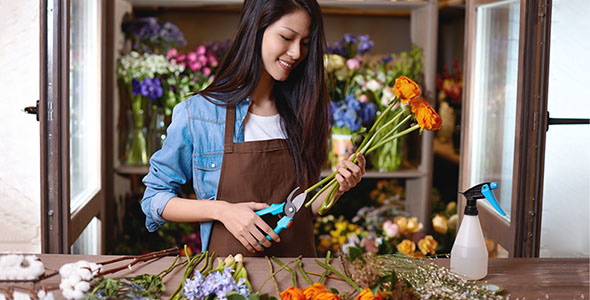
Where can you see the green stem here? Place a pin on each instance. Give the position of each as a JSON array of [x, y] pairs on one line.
[[277, 271], [293, 274], [300, 267], [348, 280], [394, 130], [325, 273], [381, 128], [331, 177], [393, 137]]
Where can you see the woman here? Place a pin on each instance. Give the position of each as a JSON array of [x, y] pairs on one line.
[[257, 132]]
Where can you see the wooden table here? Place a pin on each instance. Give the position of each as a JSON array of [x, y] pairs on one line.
[[530, 278]]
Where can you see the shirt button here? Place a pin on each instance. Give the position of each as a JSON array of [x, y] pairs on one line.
[[212, 165]]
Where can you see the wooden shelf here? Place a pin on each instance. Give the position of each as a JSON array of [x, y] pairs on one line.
[[130, 170], [387, 5], [412, 173]]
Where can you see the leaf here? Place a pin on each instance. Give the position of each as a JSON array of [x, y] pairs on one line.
[[235, 296], [334, 291], [355, 253], [254, 296], [375, 289]]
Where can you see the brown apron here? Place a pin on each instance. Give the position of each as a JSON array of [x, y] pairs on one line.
[[260, 171]]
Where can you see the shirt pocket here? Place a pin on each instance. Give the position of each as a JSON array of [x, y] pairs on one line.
[[207, 172]]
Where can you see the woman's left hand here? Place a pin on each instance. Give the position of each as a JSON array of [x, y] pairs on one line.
[[349, 173]]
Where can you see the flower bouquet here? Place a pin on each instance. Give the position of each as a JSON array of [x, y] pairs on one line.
[[414, 108]]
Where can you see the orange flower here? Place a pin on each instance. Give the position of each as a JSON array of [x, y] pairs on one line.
[[366, 294], [311, 291], [406, 247], [292, 293], [425, 114], [406, 89], [428, 245], [326, 295]]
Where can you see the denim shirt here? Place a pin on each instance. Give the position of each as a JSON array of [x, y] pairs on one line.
[[193, 150]]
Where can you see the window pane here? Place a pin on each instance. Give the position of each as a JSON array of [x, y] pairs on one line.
[[84, 102], [566, 187], [87, 242], [494, 88]]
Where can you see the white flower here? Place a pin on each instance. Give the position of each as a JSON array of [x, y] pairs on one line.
[[43, 295], [19, 267], [374, 85], [75, 278], [20, 296], [387, 96]]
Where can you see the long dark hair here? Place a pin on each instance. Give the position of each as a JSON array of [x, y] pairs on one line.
[[301, 100]]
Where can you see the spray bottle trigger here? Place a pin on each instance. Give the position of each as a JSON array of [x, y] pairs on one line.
[[487, 192]]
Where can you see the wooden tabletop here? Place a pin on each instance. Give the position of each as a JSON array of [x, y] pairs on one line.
[[530, 278]]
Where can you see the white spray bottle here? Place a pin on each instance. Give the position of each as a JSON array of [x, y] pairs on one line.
[[469, 255]]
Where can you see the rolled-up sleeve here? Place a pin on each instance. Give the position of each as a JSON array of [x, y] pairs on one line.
[[170, 168]]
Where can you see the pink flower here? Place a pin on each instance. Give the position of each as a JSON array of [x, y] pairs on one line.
[[353, 64], [202, 59], [201, 50], [192, 57], [391, 229], [172, 53], [195, 65], [369, 245], [206, 71], [213, 62], [363, 98]]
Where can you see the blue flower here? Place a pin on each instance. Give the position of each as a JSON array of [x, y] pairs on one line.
[[352, 121], [151, 88], [367, 112], [387, 59], [352, 103]]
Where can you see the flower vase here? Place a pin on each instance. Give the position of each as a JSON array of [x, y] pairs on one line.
[[136, 141], [342, 148], [157, 130], [389, 157]]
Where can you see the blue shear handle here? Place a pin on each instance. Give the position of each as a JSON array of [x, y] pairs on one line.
[[282, 224], [273, 209]]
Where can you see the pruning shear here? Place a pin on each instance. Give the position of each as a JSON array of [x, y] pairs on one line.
[[289, 208]]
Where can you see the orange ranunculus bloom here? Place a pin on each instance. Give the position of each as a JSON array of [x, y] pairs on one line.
[[311, 291], [428, 245], [292, 293], [366, 294], [406, 247], [425, 115], [326, 295], [402, 223], [406, 89]]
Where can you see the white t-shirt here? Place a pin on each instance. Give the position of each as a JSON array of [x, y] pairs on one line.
[[260, 128]]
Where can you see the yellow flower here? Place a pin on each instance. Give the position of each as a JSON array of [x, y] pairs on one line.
[[366, 294], [292, 293], [341, 226], [334, 62], [413, 225], [428, 245], [425, 115], [402, 223], [440, 224], [406, 89], [452, 206], [406, 247], [453, 221]]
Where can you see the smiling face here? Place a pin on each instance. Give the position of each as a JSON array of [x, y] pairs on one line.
[[285, 44]]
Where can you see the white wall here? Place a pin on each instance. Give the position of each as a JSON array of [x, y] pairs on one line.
[[19, 133], [565, 225]]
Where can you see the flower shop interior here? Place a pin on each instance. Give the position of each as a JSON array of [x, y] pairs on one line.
[[499, 73]]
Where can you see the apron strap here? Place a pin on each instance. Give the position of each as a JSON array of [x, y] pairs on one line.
[[230, 119]]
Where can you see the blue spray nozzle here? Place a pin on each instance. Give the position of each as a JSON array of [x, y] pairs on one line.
[[482, 190], [486, 190]]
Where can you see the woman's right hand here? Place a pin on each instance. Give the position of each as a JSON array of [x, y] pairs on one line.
[[241, 220]]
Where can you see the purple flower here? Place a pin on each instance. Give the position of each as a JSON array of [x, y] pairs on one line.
[[349, 39], [367, 112], [135, 87], [364, 44], [151, 88], [387, 59]]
